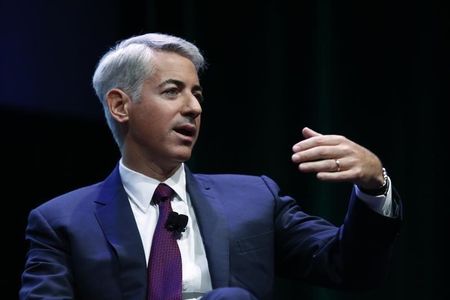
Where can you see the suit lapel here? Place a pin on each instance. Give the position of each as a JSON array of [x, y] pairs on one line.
[[117, 222], [213, 228]]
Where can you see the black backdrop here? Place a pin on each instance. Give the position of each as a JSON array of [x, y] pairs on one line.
[[375, 71]]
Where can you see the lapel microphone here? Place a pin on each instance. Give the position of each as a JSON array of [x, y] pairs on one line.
[[176, 223]]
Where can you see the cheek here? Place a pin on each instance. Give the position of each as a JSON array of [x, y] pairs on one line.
[[147, 117], [146, 127], [198, 123]]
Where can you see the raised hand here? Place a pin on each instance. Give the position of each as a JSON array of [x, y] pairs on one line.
[[336, 158]]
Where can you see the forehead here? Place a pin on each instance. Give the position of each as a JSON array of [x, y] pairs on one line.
[[169, 65]]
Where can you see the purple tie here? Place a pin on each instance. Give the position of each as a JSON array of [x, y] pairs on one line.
[[164, 265]]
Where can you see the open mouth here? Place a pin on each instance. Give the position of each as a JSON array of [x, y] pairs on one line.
[[186, 130]]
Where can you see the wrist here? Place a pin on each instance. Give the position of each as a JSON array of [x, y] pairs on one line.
[[382, 190]]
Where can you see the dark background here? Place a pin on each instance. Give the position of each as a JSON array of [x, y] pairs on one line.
[[374, 71]]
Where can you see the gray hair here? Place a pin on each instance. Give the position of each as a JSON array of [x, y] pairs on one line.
[[127, 65]]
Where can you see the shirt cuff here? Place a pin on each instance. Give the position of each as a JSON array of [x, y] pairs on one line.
[[381, 204]]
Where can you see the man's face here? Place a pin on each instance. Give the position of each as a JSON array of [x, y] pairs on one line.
[[164, 125]]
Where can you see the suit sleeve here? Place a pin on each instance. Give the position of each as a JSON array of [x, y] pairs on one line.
[[355, 255], [47, 274]]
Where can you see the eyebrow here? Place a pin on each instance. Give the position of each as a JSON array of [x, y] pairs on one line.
[[196, 88]]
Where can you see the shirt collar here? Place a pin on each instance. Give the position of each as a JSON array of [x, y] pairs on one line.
[[140, 188]]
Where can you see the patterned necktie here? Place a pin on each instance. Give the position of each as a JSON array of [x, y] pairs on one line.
[[164, 266]]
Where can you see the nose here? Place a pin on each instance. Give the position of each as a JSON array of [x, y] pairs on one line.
[[192, 107]]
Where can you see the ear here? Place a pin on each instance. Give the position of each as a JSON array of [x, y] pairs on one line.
[[118, 102]]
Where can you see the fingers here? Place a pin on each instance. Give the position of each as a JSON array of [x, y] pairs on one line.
[[326, 165], [308, 132], [336, 170], [336, 158], [315, 153], [317, 140]]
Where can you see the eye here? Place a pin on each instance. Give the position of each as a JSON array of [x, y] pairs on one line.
[[171, 92], [199, 97]]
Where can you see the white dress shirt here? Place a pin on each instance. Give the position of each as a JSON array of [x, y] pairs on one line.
[[140, 189]]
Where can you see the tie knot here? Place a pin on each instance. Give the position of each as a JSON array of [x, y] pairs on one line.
[[162, 193]]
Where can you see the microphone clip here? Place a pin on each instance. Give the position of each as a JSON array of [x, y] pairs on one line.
[[176, 223]]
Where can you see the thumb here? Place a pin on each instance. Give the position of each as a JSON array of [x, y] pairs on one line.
[[308, 132]]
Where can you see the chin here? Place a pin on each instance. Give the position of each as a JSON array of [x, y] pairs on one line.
[[183, 156]]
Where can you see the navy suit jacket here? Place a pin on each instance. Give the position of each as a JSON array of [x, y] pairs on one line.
[[86, 245]]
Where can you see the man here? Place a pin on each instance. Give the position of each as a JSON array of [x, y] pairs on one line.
[[103, 241]]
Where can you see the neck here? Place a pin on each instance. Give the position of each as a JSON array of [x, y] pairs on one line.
[[150, 169]]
